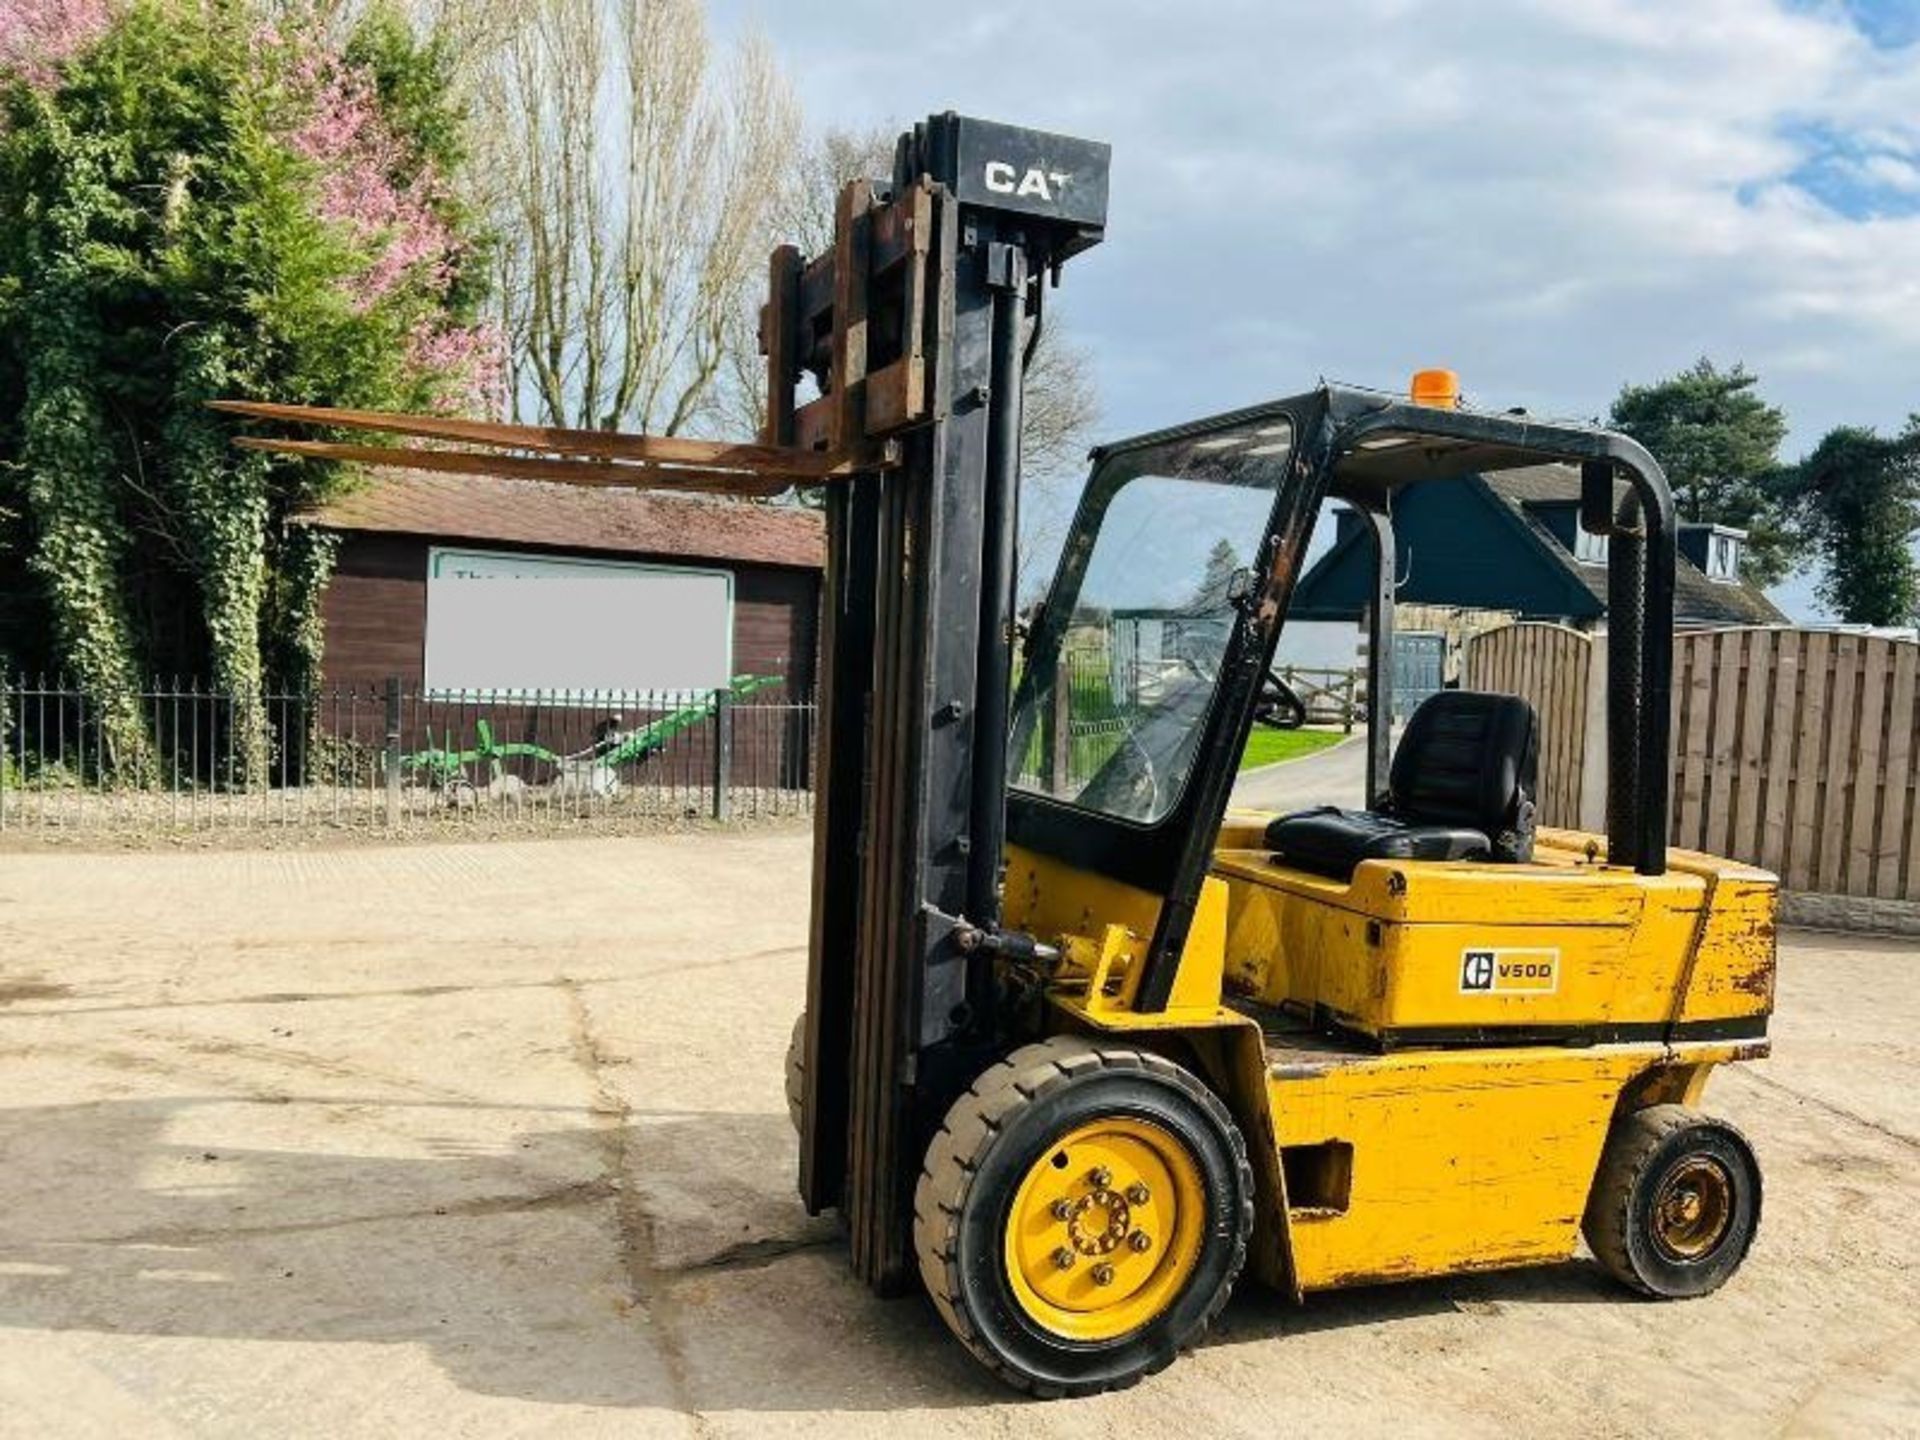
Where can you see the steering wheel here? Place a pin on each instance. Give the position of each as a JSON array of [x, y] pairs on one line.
[[1280, 705]]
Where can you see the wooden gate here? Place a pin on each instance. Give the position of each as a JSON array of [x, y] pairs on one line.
[[1549, 666], [1419, 668]]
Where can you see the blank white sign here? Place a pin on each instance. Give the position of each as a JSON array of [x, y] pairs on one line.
[[515, 623]]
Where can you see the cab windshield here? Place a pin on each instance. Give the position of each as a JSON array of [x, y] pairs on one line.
[[1126, 653]]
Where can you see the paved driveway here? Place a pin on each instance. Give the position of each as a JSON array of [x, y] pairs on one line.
[[1334, 776], [489, 1139]]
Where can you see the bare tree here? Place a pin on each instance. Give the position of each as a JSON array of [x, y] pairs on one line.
[[633, 182], [1062, 407], [818, 170]]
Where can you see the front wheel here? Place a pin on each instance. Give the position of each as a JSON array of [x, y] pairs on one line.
[[1082, 1215], [1676, 1204]]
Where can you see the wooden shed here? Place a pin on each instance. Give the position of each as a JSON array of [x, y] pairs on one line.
[[403, 534]]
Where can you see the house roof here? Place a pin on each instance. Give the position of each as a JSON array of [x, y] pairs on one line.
[[1489, 541], [1458, 544], [1696, 598], [571, 517]]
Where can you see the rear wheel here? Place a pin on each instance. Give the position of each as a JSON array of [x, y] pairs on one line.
[[1082, 1215], [1676, 1204]]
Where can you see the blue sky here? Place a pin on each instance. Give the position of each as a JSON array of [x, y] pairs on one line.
[[1886, 22], [1550, 196]]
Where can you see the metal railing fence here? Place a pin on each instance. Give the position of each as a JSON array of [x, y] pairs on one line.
[[391, 755]]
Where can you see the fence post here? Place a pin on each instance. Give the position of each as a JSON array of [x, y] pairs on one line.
[[393, 751], [1057, 746], [722, 753], [1593, 740]]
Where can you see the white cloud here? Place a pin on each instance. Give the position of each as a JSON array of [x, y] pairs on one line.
[[1553, 196]]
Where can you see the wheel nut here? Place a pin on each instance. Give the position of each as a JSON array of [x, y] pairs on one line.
[[1099, 1177], [1137, 1194], [1140, 1241], [1062, 1211], [1063, 1257], [1103, 1274]]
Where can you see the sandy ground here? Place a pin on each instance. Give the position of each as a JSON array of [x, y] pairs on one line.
[[489, 1139]]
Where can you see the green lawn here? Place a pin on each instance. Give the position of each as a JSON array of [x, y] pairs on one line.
[[1267, 746]]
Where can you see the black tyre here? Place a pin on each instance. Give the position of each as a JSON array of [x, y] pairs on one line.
[[1676, 1203], [1082, 1215]]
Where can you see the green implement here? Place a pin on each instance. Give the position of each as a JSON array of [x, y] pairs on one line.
[[446, 766]]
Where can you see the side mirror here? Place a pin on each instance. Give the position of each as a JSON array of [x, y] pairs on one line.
[[1240, 587]]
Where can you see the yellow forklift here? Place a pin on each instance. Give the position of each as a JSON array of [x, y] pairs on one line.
[[1348, 1046], [1081, 1045]]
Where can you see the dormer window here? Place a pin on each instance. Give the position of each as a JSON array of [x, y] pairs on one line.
[[1561, 518], [1713, 549], [1723, 558], [1589, 548]]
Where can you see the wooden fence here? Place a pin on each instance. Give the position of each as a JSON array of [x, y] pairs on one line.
[[1550, 666], [1331, 697], [1797, 750], [1794, 749]]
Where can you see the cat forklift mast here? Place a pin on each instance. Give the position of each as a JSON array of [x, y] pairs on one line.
[[1081, 1044]]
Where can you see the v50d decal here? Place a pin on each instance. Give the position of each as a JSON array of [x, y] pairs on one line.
[[1509, 972]]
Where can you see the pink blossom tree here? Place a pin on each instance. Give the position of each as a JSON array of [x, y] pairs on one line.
[[195, 203], [37, 35], [394, 203]]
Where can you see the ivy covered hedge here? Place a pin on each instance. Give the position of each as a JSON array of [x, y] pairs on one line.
[[198, 200]]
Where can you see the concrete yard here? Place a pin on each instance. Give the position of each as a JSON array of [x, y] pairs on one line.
[[489, 1139]]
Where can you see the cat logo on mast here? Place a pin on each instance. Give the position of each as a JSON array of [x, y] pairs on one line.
[[1046, 184]]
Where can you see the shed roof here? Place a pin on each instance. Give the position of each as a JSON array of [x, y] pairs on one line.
[[571, 517]]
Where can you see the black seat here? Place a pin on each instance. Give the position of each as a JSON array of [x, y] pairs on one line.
[[1461, 788]]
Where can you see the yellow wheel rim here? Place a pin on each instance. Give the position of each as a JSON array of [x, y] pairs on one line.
[[1106, 1229]]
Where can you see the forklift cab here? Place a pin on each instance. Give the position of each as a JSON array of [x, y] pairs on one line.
[[1126, 741]]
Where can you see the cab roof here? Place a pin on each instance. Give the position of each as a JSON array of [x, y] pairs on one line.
[[1377, 442]]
